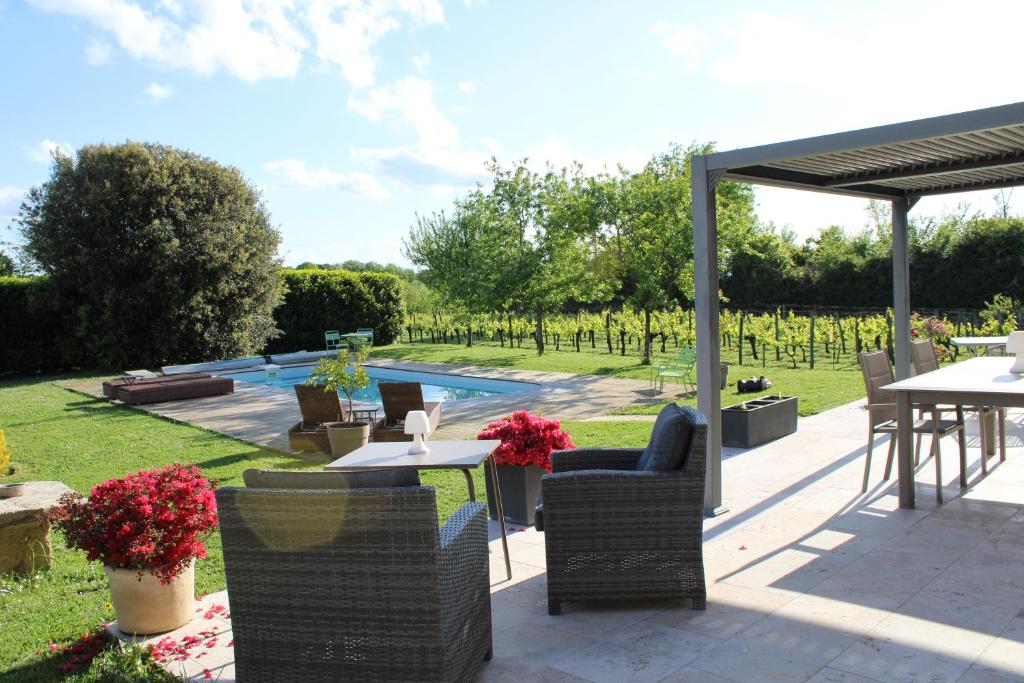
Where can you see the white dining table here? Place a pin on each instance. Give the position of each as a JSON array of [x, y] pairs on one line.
[[972, 343], [983, 381]]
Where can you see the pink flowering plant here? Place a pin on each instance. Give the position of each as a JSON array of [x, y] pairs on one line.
[[526, 439], [156, 520]]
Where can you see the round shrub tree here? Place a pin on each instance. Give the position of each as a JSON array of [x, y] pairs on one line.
[[155, 255]]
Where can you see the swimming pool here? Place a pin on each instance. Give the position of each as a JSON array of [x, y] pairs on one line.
[[436, 386]]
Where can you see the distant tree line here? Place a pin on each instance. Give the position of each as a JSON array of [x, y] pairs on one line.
[[956, 262]]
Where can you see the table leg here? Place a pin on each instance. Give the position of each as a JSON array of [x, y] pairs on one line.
[[469, 484], [1001, 413], [904, 440], [962, 442], [988, 427], [501, 515]]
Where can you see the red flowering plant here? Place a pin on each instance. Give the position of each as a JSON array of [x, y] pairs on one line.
[[526, 439], [156, 520]]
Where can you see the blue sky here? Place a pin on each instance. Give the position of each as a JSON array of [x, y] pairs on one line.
[[354, 116]]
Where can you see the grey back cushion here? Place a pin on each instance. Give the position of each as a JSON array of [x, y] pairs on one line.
[[372, 479], [670, 441]]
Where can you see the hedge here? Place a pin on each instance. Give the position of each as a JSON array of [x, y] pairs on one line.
[[32, 338], [318, 300]]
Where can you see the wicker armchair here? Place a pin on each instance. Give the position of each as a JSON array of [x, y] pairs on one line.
[[616, 530], [354, 585]]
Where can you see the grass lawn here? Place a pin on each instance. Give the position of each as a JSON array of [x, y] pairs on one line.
[[57, 434], [818, 389]]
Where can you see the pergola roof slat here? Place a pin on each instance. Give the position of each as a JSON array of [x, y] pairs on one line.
[[982, 148]]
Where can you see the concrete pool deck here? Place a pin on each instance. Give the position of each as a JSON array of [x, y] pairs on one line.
[[261, 414]]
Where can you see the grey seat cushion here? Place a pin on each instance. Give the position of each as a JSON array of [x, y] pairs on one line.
[[670, 441], [372, 479]]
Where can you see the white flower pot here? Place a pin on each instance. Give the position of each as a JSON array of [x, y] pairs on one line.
[[147, 606]]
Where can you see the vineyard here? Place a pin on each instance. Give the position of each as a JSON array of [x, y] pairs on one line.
[[780, 338]]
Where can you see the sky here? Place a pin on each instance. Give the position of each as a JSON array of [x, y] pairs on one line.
[[353, 116]]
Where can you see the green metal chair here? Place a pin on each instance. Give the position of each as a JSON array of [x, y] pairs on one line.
[[681, 369], [333, 340]]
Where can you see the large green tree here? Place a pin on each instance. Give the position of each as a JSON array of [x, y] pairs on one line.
[[649, 229], [154, 254], [527, 242]]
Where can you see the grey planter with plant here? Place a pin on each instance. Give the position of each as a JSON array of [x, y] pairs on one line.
[[758, 421]]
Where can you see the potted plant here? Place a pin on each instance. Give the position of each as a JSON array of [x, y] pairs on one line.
[[338, 374], [522, 459], [7, 490], [147, 529]]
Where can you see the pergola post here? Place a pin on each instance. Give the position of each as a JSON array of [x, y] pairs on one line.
[[901, 287], [709, 378]]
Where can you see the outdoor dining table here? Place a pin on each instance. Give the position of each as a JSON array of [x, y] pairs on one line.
[[983, 381], [442, 455], [973, 343]]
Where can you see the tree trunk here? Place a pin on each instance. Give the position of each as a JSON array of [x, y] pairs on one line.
[[540, 331], [647, 337], [469, 336]]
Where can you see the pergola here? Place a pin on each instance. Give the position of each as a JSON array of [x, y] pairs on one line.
[[900, 163]]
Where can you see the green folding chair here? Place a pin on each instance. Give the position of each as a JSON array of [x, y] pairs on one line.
[[333, 340], [681, 369]]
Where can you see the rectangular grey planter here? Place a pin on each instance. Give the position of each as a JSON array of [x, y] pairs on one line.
[[520, 487], [765, 419]]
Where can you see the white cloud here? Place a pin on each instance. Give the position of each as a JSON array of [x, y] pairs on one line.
[[97, 52], [43, 150], [684, 41], [421, 61], [253, 39], [10, 200], [557, 152], [158, 92], [437, 156], [469, 87], [294, 173]]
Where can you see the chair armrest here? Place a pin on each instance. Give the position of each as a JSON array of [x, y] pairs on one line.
[[464, 568], [595, 459], [460, 525]]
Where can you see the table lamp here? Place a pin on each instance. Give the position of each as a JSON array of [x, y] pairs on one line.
[[1015, 345], [418, 424]]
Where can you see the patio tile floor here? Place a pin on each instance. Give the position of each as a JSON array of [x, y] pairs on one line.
[[809, 580]]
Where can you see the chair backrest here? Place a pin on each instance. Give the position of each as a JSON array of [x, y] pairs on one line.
[[352, 573], [318, 406], [687, 355], [674, 437], [332, 339], [399, 398], [923, 356], [877, 372]]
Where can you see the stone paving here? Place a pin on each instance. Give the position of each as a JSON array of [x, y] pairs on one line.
[[809, 580], [261, 414]]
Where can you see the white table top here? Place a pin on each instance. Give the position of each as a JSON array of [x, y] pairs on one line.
[[441, 455], [988, 375], [978, 341]]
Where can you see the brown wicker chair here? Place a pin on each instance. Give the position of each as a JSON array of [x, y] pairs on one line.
[[399, 398], [318, 408], [354, 585], [877, 372]]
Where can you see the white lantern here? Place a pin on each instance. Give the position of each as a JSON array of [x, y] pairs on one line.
[[1015, 345], [418, 424]]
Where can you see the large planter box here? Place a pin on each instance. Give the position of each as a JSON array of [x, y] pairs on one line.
[[765, 419], [520, 487]]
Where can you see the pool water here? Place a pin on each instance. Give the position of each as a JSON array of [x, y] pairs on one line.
[[436, 386]]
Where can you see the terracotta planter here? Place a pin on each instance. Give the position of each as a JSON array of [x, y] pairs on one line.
[[346, 437], [520, 487], [148, 606]]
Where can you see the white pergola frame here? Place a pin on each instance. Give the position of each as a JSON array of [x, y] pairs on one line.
[[899, 163]]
